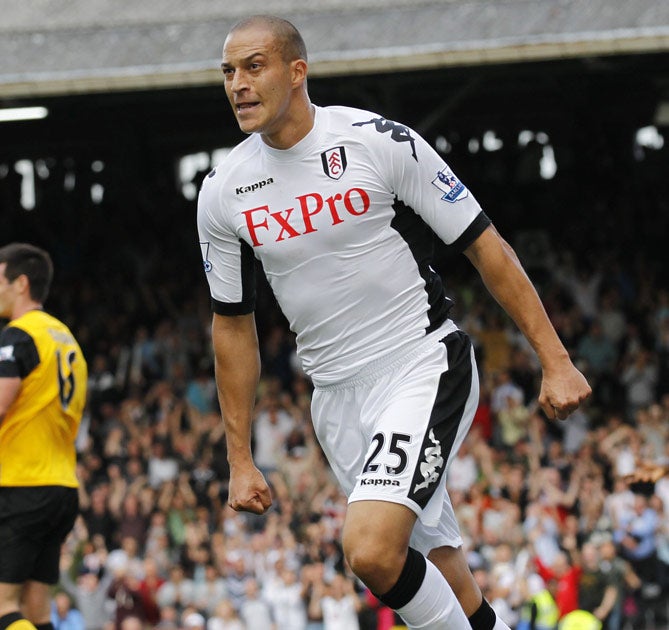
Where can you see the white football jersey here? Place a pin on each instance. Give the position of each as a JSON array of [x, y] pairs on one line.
[[343, 223]]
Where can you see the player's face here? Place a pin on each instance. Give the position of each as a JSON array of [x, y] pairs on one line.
[[258, 82]]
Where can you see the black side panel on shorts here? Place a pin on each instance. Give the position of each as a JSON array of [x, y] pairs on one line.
[[248, 273], [452, 394], [419, 236]]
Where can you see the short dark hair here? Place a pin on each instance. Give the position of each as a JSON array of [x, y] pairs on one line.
[[289, 38], [31, 261]]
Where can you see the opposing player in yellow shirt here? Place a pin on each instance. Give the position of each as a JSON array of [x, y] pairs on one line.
[[43, 377]]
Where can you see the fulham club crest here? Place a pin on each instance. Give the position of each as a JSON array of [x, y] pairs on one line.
[[334, 162]]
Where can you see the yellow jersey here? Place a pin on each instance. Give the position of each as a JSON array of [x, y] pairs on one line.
[[38, 431]]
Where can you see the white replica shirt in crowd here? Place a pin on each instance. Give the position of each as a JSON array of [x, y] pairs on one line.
[[343, 224], [339, 614]]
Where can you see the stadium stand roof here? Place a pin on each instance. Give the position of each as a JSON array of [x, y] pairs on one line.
[[67, 47]]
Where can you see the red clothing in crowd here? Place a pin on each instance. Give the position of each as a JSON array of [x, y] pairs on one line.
[[385, 617], [566, 586]]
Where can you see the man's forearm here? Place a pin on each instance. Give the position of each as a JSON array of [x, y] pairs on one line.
[[237, 373], [507, 282]]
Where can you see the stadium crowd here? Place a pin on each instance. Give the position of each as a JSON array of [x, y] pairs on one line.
[[543, 506], [549, 511]]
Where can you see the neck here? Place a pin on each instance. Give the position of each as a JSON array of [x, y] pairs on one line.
[[294, 129], [25, 307]]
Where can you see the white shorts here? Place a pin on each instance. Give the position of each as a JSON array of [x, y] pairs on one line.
[[391, 432]]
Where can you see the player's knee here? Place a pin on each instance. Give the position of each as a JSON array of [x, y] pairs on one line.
[[376, 539], [376, 563]]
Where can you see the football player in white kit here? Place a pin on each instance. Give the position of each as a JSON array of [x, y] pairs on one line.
[[341, 206]]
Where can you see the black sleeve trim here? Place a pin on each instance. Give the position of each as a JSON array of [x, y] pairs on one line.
[[231, 308], [475, 229], [25, 357], [248, 278]]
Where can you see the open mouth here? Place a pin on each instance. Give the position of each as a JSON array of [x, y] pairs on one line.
[[245, 107]]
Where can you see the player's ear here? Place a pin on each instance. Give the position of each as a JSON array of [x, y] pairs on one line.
[[298, 68], [23, 283]]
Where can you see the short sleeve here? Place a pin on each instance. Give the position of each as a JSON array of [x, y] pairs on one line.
[[18, 353]]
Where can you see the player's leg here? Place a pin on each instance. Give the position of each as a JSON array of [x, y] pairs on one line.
[[442, 543], [16, 556], [36, 604], [376, 545], [452, 564], [33, 524], [61, 506], [388, 438], [10, 615]]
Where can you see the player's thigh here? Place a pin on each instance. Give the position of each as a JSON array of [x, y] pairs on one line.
[[336, 420], [380, 525]]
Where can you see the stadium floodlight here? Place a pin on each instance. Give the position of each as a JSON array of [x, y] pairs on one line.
[[12, 114]]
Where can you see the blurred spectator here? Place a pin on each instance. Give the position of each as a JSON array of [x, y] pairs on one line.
[[132, 623], [148, 589], [125, 591], [463, 470], [336, 603], [495, 342], [503, 389], [597, 589], [611, 316], [255, 612], [209, 590], [63, 616], [639, 379], [225, 617], [539, 610], [600, 356], [88, 591], [162, 466], [132, 521], [97, 514], [125, 559], [635, 533], [565, 577], [201, 389], [619, 573], [274, 422], [583, 285], [236, 576], [193, 620], [513, 418], [286, 595], [177, 591]]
